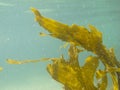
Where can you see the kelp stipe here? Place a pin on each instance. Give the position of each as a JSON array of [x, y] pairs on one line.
[[69, 72]]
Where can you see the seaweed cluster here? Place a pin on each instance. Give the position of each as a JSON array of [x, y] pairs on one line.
[[69, 72]]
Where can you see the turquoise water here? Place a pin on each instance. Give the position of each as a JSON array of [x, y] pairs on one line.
[[19, 36]]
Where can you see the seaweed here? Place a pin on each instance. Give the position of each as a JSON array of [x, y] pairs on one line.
[[1, 68], [69, 72]]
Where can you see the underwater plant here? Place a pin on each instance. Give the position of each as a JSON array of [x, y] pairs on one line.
[[69, 72], [1, 68]]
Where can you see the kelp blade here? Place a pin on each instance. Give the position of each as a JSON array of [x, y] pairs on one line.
[[78, 35]]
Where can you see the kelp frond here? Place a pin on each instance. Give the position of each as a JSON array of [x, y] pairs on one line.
[[72, 75], [78, 35], [69, 72], [12, 61], [90, 39]]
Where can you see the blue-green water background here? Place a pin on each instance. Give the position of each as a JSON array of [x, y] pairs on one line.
[[19, 37]]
